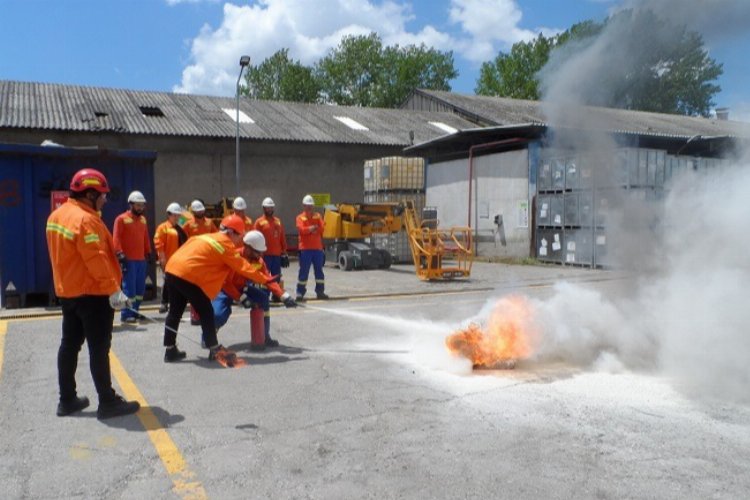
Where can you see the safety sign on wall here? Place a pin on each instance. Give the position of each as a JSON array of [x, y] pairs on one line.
[[523, 213], [57, 198], [321, 199]]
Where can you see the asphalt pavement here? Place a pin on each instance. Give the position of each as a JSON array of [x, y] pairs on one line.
[[361, 400]]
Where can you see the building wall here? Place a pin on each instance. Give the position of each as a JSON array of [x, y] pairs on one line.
[[189, 168], [500, 189]]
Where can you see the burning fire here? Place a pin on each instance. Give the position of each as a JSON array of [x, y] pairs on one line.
[[508, 336]]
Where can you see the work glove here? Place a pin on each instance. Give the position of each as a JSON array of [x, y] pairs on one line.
[[245, 301], [284, 261], [288, 300], [121, 260], [119, 300]]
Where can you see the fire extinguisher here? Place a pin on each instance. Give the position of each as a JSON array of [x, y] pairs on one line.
[[257, 329]]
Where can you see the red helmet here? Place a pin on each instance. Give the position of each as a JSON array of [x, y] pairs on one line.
[[88, 178], [233, 222]]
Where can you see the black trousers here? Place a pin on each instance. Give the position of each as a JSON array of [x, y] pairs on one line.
[[89, 318], [165, 293], [180, 293]]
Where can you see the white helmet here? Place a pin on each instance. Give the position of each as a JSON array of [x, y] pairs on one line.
[[239, 204], [136, 197], [197, 206], [256, 240], [308, 200], [268, 202], [174, 208]]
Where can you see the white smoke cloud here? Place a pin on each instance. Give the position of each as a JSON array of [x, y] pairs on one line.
[[310, 29]]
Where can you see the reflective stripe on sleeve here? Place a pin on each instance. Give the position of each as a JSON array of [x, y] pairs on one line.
[[62, 231]]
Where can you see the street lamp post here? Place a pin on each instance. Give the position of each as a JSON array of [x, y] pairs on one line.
[[244, 61]]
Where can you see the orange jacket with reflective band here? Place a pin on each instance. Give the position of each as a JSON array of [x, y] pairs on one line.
[[194, 227], [131, 236], [273, 231], [248, 223], [307, 239], [206, 260], [166, 240], [234, 283], [82, 252]]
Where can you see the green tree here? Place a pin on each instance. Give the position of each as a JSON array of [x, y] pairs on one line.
[[280, 78], [514, 74], [645, 63], [360, 71], [348, 73], [410, 67]]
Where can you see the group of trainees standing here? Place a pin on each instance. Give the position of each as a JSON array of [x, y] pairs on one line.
[[209, 267]]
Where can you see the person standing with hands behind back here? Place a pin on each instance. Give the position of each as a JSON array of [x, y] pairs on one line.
[[169, 236], [87, 280], [133, 248], [310, 228]]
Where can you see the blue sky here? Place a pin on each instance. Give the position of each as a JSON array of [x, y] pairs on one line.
[[194, 45]]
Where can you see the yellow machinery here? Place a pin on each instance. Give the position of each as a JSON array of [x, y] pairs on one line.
[[438, 253], [348, 224]]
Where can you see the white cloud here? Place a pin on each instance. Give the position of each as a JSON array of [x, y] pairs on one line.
[[310, 29], [489, 24]]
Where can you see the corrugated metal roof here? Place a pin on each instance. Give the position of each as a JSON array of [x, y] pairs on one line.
[[504, 111], [93, 109]]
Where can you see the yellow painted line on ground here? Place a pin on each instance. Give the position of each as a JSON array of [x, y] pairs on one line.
[[3, 331], [185, 483]]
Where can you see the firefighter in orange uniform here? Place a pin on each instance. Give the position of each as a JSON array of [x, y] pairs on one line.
[[252, 291], [169, 236], [275, 256], [198, 223], [133, 247], [238, 207], [310, 228], [195, 273], [87, 281]]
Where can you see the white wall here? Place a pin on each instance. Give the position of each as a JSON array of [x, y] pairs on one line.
[[500, 187]]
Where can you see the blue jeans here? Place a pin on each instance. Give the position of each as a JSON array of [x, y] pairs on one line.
[[222, 305], [133, 285], [317, 258]]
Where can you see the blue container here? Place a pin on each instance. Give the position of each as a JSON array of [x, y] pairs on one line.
[[28, 175]]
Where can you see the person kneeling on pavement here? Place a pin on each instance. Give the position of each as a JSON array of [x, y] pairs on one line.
[[196, 272], [253, 291]]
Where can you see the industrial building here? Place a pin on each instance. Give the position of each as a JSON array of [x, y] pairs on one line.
[[487, 163], [552, 189]]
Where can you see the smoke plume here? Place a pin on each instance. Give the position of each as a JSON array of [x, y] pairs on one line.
[[685, 315]]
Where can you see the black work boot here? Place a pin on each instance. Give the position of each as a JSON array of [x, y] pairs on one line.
[[322, 296], [271, 342], [163, 308], [172, 354], [116, 408], [65, 408]]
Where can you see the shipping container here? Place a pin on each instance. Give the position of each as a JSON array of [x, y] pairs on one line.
[[549, 247], [572, 174], [543, 211], [578, 247], [556, 210], [544, 176], [29, 178], [558, 174], [570, 216]]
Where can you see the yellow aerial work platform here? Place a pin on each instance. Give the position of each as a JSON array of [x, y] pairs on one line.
[[438, 254]]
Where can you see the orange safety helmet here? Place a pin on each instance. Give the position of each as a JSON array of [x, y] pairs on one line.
[[89, 178], [233, 222]]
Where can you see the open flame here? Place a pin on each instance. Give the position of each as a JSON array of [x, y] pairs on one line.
[[509, 335]]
